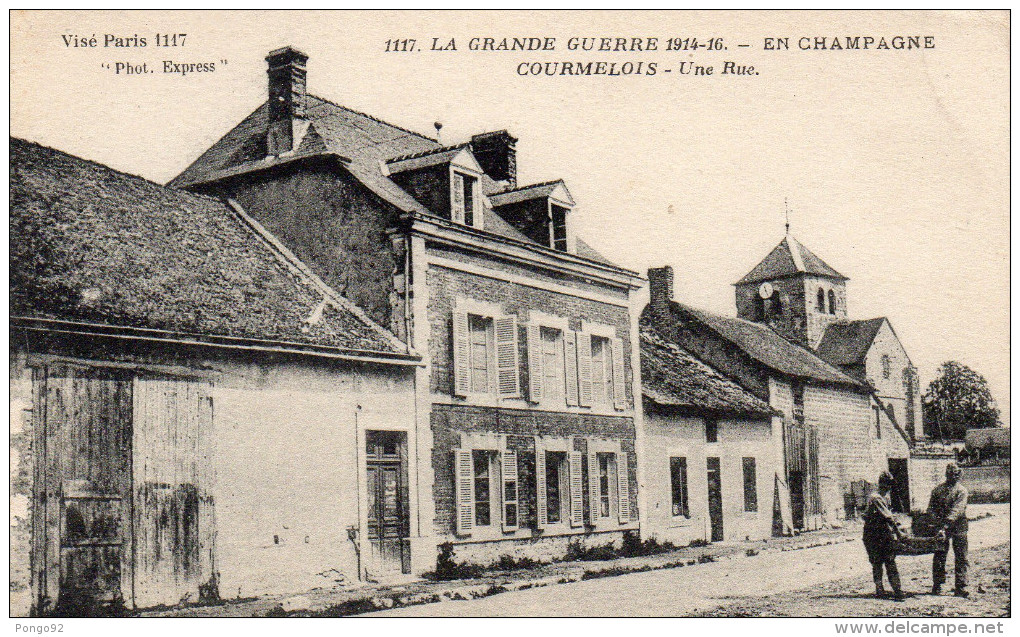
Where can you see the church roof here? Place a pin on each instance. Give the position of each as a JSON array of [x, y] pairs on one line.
[[848, 342], [789, 258]]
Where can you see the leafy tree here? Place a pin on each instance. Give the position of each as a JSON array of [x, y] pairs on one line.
[[957, 400]]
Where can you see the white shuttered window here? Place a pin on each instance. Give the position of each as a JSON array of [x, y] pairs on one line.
[[464, 493], [576, 493], [485, 359]]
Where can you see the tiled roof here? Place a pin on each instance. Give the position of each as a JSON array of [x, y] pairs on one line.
[[671, 376], [761, 343], [847, 343], [92, 245], [788, 258]]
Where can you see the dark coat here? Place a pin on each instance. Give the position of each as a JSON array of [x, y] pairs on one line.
[[880, 530]]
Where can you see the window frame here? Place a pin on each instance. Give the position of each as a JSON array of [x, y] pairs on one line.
[[493, 314], [832, 301], [604, 397], [820, 300], [562, 487], [750, 462], [684, 508], [489, 456], [459, 196], [711, 430]]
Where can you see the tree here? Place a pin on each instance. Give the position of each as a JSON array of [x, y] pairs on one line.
[[957, 400]]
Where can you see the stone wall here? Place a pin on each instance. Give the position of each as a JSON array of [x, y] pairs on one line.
[[845, 451], [332, 223]]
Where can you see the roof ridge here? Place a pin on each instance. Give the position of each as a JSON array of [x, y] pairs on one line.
[[371, 117], [426, 153], [529, 186], [794, 247], [111, 169], [208, 150], [290, 259], [760, 326]]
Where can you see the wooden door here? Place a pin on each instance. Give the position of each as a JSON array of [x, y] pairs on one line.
[[715, 509], [386, 483], [82, 526], [797, 498], [901, 485]]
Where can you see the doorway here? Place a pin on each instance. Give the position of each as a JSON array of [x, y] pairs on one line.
[[901, 485], [797, 498], [715, 510], [82, 521], [388, 520]]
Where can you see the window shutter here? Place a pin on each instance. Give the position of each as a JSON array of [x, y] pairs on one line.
[[541, 499], [511, 491], [623, 481], [457, 213], [576, 499], [461, 354], [506, 357], [619, 381], [534, 363], [593, 487], [464, 487], [584, 369], [570, 366]]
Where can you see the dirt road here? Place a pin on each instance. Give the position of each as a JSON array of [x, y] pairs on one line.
[[699, 589]]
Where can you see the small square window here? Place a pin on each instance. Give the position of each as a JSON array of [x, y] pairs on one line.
[[711, 430]]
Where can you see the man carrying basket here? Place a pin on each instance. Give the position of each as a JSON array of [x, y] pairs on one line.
[[881, 535], [948, 512]]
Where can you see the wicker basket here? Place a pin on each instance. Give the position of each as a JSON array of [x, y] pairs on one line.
[[918, 545]]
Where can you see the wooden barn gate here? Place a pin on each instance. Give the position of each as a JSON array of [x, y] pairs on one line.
[[122, 512]]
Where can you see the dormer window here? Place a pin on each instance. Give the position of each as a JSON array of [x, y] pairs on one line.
[[465, 198], [559, 228]]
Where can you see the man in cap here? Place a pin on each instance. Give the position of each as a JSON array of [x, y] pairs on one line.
[[948, 511]]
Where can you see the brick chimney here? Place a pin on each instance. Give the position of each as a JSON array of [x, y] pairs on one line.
[[496, 152], [287, 100], [660, 287]]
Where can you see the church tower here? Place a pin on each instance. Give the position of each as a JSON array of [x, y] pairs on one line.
[[794, 291]]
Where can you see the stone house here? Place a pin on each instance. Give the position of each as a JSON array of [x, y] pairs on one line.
[[710, 457], [830, 447], [194, 413], [526, 405]]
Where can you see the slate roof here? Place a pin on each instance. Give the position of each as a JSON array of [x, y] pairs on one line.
[[361, 143], [762, 344], [672, 377], [416, 161], [93, 245], [847, 343], [526, 193], [789, 258]]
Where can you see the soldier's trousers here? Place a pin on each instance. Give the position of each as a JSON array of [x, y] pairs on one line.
[[938, 568]]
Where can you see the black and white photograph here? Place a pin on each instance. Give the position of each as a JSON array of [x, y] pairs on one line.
[[586, 314]]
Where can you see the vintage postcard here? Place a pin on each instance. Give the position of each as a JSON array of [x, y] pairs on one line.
[[510, 314]]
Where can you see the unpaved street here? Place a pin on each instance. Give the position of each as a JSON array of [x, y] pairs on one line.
[[697, 589]]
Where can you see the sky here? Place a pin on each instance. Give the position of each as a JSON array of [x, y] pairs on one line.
[[894, 164]]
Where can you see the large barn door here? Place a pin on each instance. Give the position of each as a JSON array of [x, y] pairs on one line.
[[173, 518], [82, 528]]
